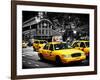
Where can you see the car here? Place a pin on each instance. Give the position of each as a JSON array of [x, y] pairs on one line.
[[39, 44], [61, 53], [82, 45], [24, 44]]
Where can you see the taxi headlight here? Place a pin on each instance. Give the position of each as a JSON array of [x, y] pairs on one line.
[[65, 56]]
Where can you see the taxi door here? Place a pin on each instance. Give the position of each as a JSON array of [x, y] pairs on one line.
[[50, 53], [45, 51]]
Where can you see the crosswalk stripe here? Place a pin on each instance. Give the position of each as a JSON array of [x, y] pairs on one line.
[[36, 65]]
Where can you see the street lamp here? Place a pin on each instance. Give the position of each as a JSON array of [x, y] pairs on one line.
[[74, 32]]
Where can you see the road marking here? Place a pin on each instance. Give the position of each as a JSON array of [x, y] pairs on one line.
[[29, 54], [29, 63], [36, 65]]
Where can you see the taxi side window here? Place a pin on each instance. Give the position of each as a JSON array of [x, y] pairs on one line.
[[36, 42], [75, 44], [46, 46], [82, 44], [51, 47]]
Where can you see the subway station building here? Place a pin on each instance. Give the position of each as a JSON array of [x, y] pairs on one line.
[[38, 27]]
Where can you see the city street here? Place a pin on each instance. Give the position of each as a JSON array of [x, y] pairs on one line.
[[30, 59]]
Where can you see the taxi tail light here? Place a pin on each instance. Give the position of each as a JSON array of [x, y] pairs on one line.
[[83, 49]]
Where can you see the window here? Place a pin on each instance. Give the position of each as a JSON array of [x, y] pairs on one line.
[[46, 31], [34, 26], [51, 47], [39, 26], [36, 42], [46, 47], [26, 28], [82, 44], [43, 42], [49, 32], [42, 31], [61, 46], [75, 45], [39, 31]]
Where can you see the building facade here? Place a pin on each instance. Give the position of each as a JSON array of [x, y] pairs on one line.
[[37, 28]]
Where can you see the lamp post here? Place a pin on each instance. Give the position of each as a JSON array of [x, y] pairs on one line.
[[30, 32], [30, 36], [75, 34]]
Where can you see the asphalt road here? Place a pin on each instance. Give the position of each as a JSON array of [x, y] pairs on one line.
[[30, 59]]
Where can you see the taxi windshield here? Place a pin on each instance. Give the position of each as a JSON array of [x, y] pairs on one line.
[[61, 46], [42, 42]]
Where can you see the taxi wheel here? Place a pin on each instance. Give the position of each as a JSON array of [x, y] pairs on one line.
[[58, 60], [41, 56]]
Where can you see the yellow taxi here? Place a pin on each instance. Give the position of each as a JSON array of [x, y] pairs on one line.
[[82, 45], [39, 44], [60, 52], [24, 44]]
